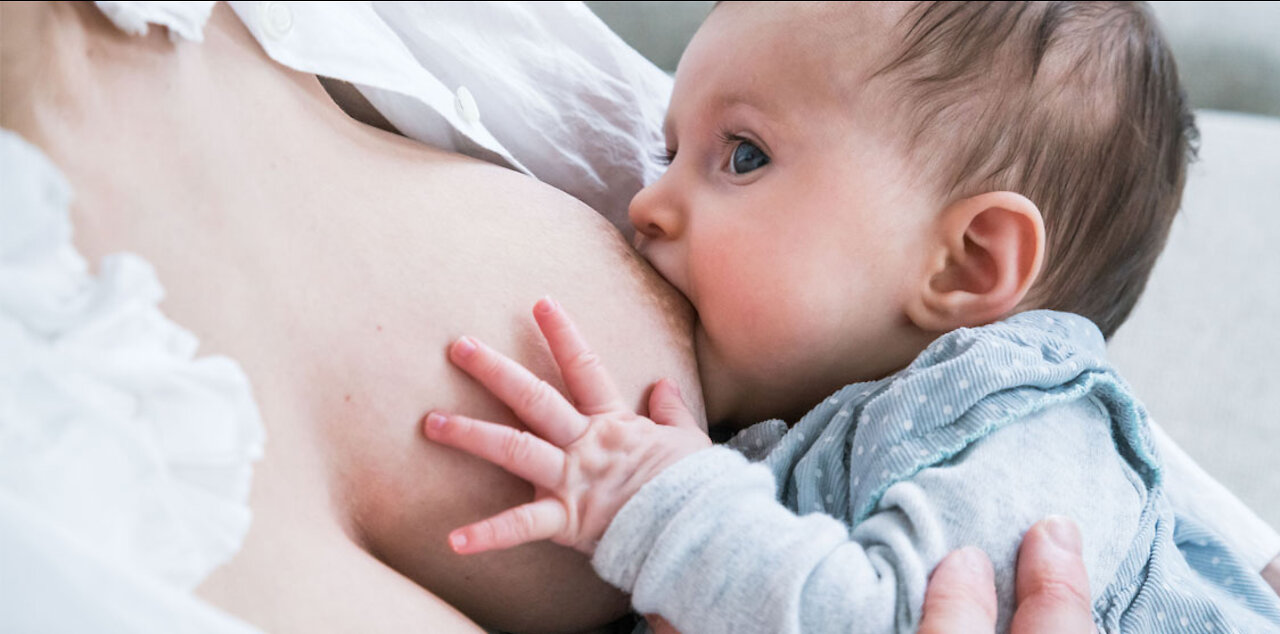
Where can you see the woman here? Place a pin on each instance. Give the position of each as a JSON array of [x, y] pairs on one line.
[[334, 262]]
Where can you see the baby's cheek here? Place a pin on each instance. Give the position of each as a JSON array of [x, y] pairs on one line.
[[758, 318]]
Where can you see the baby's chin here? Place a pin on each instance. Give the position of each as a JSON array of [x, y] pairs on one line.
[[738, 397], [718, 393], [731, 402]]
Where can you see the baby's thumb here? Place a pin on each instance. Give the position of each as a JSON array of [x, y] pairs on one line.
[[666, 407]]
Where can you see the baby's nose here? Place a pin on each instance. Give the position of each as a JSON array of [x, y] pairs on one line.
[[655, 214]]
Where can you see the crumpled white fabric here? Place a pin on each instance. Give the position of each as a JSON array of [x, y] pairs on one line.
[[183, 19], [572, 102], [111, 429], [50, 581]]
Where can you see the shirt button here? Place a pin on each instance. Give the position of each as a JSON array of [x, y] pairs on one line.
[[466, 106], [277, 19]]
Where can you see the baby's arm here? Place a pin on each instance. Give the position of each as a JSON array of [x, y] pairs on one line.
[[707, 546]]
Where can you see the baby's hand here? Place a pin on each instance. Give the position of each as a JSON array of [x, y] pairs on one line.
[[584, 462]]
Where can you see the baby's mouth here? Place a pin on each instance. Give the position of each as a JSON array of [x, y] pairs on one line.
[[643, 249]]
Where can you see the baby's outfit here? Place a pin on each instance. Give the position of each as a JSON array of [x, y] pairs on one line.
[[989, 430]]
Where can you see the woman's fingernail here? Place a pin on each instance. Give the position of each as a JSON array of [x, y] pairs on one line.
[[545, 305], [464, 347], [435, 422], [975, 561], [1063, 532], [457, 541]]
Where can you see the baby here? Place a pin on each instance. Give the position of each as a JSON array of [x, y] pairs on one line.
[[926, 219]]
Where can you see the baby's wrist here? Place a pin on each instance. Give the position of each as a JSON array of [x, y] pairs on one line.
[[630, 536]]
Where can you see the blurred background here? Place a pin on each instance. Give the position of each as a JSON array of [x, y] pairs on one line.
[[1202, 349], [1228, 52]]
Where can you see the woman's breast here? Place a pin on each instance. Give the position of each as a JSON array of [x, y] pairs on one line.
[[452, 248]]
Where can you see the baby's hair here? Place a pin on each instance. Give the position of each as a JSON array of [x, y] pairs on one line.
[[1075, 105]]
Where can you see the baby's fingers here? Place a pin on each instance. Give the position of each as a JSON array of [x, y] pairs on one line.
[[589, 384], [535, 521], [667, 406], [520, 453], [540, 406]]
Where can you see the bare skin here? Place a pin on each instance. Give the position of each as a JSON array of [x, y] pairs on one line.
[[335, 262], [1272, 574]]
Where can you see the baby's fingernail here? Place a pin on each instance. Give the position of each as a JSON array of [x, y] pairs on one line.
[[675, 388], [545, 305], [464, 347], [435, 422], [457, 541]]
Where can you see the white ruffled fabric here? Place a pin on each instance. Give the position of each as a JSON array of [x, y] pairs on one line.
[[111, 430], [183, 19]]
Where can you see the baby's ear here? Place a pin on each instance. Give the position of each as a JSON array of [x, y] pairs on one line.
[[983, 258]]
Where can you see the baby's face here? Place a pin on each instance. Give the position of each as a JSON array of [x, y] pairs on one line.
[[785, 215]]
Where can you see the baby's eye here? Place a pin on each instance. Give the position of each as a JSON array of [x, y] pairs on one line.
[[747, 158]]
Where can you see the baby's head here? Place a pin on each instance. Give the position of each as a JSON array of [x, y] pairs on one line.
[[850, 181]]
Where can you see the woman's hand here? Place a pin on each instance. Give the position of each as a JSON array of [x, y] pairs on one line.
[[1052, 587], [584, 462], [1272, 574]]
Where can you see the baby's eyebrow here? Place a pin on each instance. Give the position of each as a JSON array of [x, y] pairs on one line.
[[727, 101], [763, 107]]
